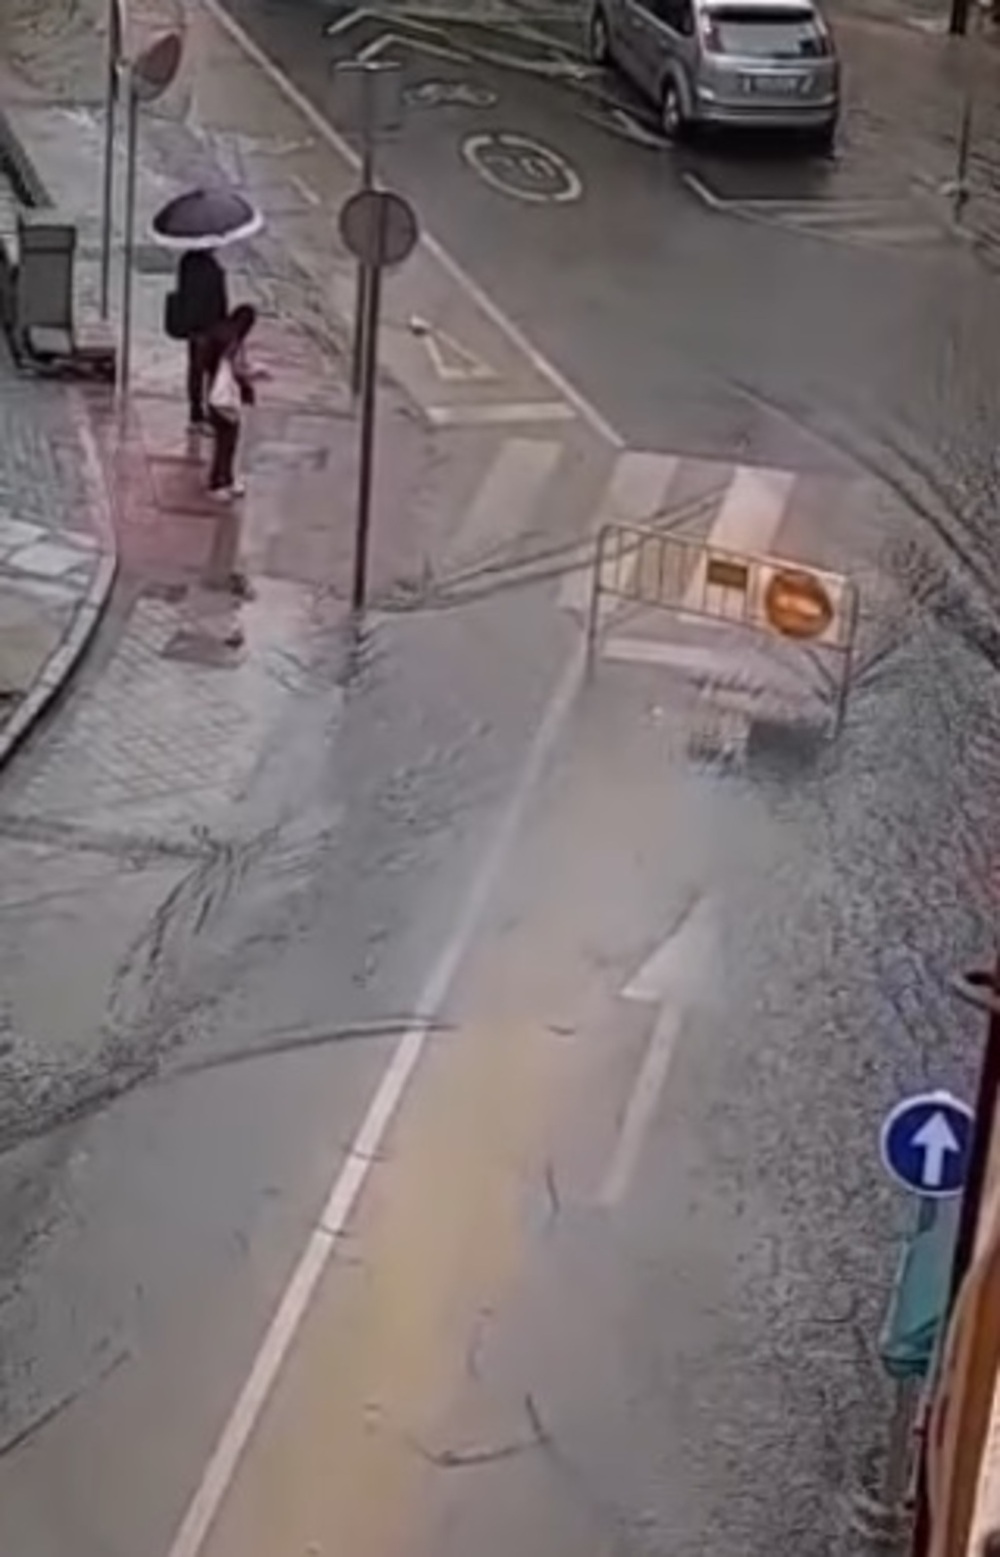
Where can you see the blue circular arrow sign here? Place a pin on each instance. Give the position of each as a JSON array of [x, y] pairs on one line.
[[925, 1143]]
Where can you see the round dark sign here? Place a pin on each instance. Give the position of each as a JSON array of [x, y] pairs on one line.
[[797, 604], [153, 72], [378, 227]]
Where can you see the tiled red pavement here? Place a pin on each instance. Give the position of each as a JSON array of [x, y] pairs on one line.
[[299, 457]]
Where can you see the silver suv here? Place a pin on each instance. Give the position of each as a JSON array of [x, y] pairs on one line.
[[725, 62]]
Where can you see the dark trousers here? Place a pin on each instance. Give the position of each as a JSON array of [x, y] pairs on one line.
[[197, 378], [227, 436]]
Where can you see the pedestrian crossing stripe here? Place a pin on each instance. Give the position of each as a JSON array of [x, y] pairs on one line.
[[535, 499]]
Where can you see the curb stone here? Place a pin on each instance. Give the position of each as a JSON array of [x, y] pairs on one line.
[[66, 656]]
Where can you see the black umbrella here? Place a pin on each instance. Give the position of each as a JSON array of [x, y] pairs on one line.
[[206, 219]]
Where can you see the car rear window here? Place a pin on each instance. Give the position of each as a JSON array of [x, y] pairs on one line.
[[767, 34]]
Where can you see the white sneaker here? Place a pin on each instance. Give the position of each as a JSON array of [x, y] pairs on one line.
[[228, 494]]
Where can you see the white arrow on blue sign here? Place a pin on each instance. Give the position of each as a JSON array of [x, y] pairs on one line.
[[925, 1143]]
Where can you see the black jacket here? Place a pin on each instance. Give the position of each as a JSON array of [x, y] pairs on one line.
[[201, 288]]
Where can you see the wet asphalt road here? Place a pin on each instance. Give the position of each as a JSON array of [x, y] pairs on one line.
[[855, 882]]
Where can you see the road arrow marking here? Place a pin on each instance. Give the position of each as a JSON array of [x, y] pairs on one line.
[[674, 976], [642, 1106], [679, 965], [451, 361], [936, 1139]]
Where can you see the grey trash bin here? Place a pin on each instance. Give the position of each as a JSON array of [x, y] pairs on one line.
[[46, 252]]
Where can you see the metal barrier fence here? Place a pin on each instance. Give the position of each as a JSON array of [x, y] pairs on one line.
[[807, 606]]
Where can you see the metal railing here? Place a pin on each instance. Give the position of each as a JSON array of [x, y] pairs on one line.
[[813, 608]]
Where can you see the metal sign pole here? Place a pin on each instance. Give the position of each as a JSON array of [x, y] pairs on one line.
[[366, 456], [369, 96], [379, 229], [108, 183], [363, 284], [967, 121], [962, 160], [131, 175], [115, 52], [146, 79]]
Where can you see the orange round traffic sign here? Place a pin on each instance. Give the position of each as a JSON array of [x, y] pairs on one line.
[[797, 605]]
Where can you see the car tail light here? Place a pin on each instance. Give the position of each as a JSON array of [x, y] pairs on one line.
[[710, 35]]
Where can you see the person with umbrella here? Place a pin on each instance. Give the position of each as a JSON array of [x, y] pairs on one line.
[[202, 303], [199, 223]]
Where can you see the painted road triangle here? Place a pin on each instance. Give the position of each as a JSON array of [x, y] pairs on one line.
[[451, 361]]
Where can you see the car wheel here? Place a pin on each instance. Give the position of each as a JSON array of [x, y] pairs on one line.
[[599, 41], [673, 125], [824, 140]]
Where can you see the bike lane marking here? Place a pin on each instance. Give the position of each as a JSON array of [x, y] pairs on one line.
[[476, 294]]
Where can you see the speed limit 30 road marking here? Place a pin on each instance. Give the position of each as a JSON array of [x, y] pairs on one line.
[[523, 168]]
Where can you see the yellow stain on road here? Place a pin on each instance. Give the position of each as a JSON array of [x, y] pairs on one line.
[[344, 1451]]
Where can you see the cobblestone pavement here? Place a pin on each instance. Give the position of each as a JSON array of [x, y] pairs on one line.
[[54, 538]]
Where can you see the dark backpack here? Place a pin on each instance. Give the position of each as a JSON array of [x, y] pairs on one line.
[[177, 320]]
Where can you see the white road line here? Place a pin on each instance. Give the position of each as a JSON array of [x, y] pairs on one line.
[[826, 214], [514, 334], [706, 195], [692, 658], [508, 494], [377, 46], [499, 413], [305, 190], [343, 22], [748, 520], [863, 222], [752, 509], [652, 980], [678, 967], [635, 493], [900, 236], [451, 360], [642, 1106], [385, 40], [352, 1176]]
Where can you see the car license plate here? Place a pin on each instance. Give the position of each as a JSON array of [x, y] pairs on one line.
[[785, 86]]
